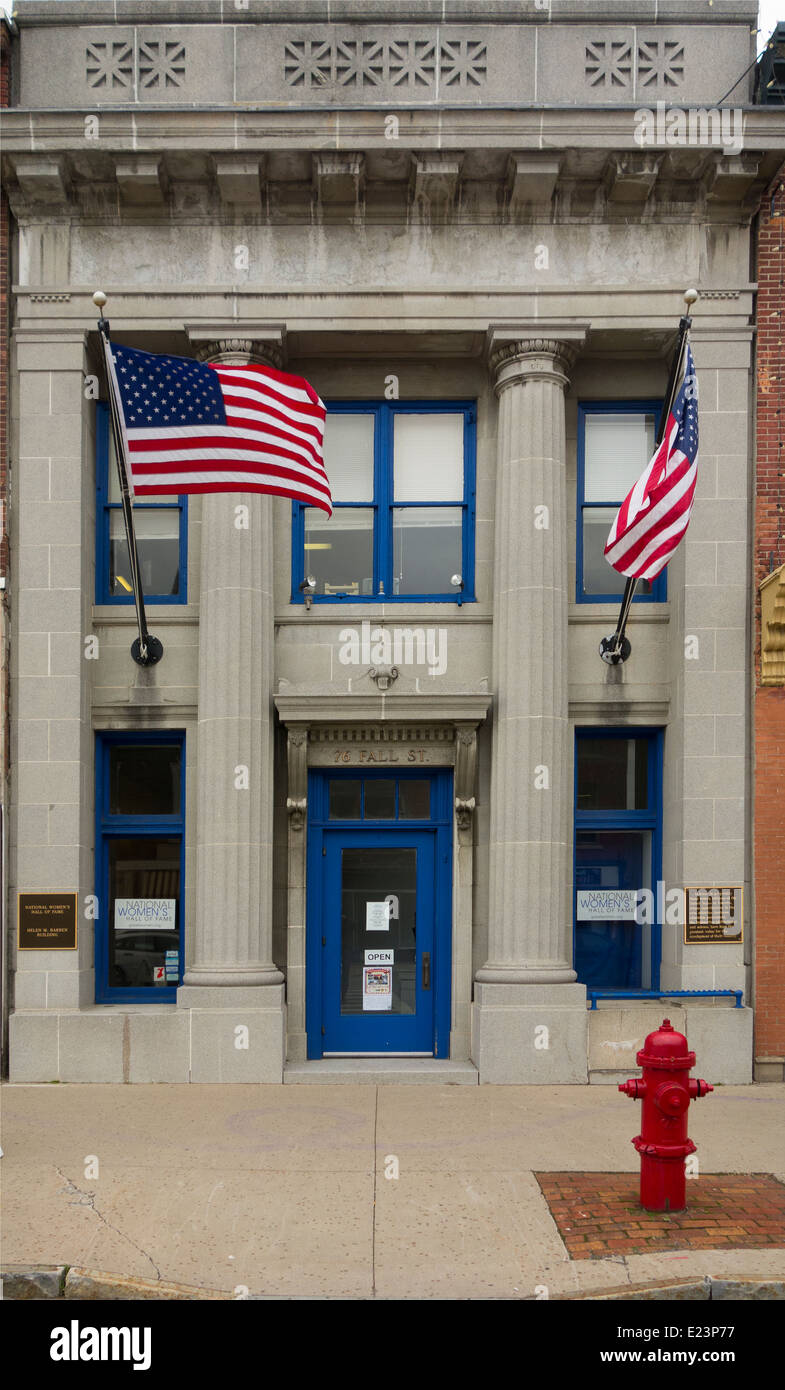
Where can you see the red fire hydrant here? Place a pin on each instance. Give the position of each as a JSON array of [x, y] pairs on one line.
[[666, 1092]]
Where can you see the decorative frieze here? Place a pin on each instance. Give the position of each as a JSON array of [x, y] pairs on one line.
[[406, 64], [113, 65], [362, 63]]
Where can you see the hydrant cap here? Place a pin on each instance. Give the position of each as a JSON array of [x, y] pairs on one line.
[[666, 1043]]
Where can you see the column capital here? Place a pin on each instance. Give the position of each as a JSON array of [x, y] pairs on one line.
[[262, 344], [525, 352]]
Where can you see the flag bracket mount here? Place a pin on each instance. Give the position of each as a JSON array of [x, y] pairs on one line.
[[612, 652], [153, 648]]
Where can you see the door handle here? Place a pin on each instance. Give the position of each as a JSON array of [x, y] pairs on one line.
[[426, 970]]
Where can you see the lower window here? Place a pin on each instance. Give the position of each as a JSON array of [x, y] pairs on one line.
[[618, 858], [140, 810]]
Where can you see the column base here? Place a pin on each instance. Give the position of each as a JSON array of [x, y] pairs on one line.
[[530, 1034], [236, 1034]]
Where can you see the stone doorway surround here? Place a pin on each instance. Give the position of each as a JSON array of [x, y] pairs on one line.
[[444, 729]]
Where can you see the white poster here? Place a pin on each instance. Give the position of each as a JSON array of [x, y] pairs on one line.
[[377, 917], [380, 958], [133, 913], [606, 904], [377, 988]]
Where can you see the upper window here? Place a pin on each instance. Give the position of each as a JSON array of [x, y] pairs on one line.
[[161, 528], [615, 445], [402, 483]]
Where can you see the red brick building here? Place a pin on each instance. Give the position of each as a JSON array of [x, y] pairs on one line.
[[769, 664]]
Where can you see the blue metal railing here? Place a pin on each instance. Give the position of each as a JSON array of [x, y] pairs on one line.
[[595, 994]]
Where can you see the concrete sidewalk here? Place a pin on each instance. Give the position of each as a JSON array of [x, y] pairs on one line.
[[284, 1189]]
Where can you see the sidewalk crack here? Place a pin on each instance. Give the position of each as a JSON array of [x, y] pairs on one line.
[[87, 1199]]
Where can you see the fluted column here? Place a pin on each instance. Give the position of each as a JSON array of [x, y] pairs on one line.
[[232, 933], [529, 781], [530, 922]]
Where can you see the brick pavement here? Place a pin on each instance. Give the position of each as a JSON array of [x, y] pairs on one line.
[[599, 1214]]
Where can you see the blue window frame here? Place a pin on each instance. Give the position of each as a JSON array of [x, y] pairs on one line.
[[402, 476], [140, 866], [615, 443], [161, 535], [617, 846]]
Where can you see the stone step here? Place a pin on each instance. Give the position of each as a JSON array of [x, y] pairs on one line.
[[379, 1071]]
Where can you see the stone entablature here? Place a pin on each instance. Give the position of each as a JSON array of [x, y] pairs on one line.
[[490, 182], [85, 55]]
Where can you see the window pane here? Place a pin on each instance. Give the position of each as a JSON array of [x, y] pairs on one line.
[[348, 457], [345, 798], [339, 550], [427, 549], [158, 548], [598, 576], [144, 893], [613, 951], [618, 449], [612, 774], [380, 800], [428, 458], [144, 780], [414, 800]]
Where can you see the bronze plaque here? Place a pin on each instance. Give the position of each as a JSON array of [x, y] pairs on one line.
[[47, 922], [713, 916]]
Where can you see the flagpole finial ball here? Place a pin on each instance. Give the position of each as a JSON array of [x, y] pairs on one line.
[[690, 296], [99, 299]]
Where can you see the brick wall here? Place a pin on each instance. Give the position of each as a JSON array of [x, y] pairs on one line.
[[769, 840]]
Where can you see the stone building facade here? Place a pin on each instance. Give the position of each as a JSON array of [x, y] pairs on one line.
[[381, 810]]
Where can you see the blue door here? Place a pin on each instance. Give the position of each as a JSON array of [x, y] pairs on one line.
[[379, 959]]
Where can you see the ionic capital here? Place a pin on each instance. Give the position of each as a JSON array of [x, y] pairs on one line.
[[533, 359], [241, 352]]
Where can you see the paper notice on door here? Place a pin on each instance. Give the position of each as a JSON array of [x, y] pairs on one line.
[[606, 904], [377, 988], [377, 917]]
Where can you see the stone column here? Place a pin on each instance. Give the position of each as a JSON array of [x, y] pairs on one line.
[[230, 965], [529, 1015]]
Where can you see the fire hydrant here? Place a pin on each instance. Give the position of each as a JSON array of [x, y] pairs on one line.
[[666, 1092]]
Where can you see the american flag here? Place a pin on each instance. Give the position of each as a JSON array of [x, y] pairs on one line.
[[192, 427], [655, 514]]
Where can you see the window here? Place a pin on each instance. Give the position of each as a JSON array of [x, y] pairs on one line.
[[618, 855], [402, 483], [139, 859], [161, 535], [615, 444]]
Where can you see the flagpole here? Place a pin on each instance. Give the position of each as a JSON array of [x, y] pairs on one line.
[[617, 647], [146, 650]]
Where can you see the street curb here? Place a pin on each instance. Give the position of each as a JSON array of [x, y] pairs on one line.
[[90, 1285], [707, 1289], [64, 1282]]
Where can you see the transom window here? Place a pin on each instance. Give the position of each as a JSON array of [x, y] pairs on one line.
[[402, 482], [615, 444]]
